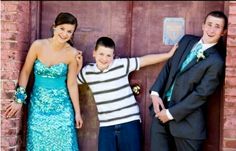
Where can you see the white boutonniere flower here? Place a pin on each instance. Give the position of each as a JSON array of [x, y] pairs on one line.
[[200, 55]]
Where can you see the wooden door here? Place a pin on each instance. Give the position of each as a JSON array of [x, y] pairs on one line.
[[136, 27]]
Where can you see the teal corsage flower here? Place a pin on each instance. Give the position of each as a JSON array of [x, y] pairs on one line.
[[20, 95]]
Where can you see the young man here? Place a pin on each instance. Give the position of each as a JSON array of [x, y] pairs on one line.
[[180, 92], [118, 112]]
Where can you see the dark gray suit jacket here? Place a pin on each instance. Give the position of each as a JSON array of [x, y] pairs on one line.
[[192, 87]]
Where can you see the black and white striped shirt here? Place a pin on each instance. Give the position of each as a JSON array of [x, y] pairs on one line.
[[112, 93]]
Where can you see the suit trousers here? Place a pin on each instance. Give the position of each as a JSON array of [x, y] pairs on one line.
[[162, 140]]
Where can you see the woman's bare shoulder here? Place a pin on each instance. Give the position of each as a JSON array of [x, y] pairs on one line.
[[40, 42]]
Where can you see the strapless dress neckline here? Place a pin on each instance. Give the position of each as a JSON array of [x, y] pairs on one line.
[[50, 66]]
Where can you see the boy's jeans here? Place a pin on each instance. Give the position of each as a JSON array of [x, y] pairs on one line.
[[120, 137]]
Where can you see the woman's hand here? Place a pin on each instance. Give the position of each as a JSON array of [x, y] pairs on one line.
[[12, 109], [78, 119]]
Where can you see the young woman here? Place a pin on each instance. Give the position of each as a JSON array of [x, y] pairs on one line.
[[54, 101]]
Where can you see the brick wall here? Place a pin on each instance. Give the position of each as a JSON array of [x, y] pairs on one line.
[[14, 46], [229, 127]]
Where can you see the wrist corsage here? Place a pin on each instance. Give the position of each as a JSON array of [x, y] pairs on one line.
[[20, 95]]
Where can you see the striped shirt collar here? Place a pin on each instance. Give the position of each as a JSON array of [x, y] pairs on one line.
[[96, 69]]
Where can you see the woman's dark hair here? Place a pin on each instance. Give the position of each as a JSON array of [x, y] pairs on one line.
[[66, 18], [106, 42]]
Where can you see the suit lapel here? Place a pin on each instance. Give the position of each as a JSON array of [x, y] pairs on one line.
[[207, 52], [210, 50], [188, 47]]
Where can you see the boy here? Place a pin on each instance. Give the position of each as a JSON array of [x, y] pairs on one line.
[[182, 88], [118, 112]]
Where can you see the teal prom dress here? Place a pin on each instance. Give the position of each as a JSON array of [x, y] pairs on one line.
[[51, 123]]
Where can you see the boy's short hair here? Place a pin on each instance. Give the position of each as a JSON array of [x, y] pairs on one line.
[[106, 42], [218, 14]]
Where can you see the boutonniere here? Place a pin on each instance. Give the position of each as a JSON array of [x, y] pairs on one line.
[[200, 55]]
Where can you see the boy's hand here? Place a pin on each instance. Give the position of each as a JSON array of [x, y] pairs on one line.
[[12, 109], [173, 49], [79, 59]]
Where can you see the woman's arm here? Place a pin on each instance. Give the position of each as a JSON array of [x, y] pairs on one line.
[[73, 89], [156, 58], [14, 107]]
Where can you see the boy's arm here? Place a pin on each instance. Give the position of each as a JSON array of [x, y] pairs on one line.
[[79, 59], [156, 58]]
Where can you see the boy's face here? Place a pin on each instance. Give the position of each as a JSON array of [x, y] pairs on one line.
[[103, 57], [213, 29]]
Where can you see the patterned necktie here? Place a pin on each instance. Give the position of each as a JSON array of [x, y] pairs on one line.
[[191, 56], [188, 59]]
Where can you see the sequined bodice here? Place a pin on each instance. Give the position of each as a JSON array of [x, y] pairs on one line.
[[52, 71], [50, 76]]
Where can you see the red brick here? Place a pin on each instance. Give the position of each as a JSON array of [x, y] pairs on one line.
[[231, 133], [230, 91], [9, 26], [230, 104], [9, 36], [231, 51], [8, 123], [9, 132], [11, 7], [9, 46], [230, 144], [9, 75], [13, 56], [232, 9], [15, 37], [11, 66], [230, 61], [8, 17], [4, 148], [2, 7], [230, 99], [229, 71], [7, 94], [230, 81], [228, 149], [229, 122], [230, 112], [9, 141], [9, 85], [232, 19], [231, 30], [231, 40]]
